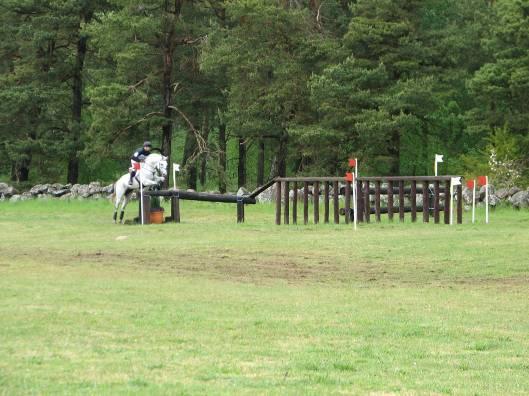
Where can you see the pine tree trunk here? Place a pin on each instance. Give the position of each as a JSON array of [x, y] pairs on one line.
[[167, 80], [189, 160], [20, 171], [279, 164], [77, 106], [204, 156], [425, 155], [282, 155], [13, 171], [261, 163], [222, 158], [241, 168], [299, 164]]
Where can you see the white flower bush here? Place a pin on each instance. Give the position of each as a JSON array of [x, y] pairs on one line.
[[504, 172]]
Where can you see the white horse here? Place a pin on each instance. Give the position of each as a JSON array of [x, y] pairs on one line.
[[153, 171]]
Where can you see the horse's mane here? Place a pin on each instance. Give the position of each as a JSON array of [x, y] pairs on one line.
[[154, 157]]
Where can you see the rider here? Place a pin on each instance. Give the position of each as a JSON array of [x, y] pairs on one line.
[[139, 156]]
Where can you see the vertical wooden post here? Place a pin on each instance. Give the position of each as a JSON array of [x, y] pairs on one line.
[[390, 200], [377, 201], [367, 206], [347, 202], [278, 203], [146, 209], [240, 210], [326, 202], [175, 208], [286, 203], [436, 202], [425, 202], [414, 201], [447, 202], [295, 204], [359, 201], [401, 200], [336, 201], [459, 196], [316, 199], [306, 203]]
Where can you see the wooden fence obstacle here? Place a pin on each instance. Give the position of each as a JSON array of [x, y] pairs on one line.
[[177, 195], [431, 188], [369, 189]]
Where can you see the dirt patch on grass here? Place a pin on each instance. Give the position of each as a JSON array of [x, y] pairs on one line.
[[251, 269], [266, 268], [512, 281], [223, 266]]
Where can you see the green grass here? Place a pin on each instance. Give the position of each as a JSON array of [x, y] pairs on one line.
[[209, 306]]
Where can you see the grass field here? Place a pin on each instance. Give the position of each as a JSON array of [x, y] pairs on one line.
[[212, 307]]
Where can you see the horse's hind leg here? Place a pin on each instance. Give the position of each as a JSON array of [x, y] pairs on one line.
[[116, 206], [118, 197], [123, 206]]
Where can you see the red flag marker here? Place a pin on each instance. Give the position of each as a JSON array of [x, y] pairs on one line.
[[352, 162], [349, 177], [470, 183], [482, 180]]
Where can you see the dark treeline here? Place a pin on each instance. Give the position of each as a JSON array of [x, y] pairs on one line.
[[239, 91]]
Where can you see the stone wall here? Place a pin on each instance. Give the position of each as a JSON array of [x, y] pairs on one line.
[[92, 190]]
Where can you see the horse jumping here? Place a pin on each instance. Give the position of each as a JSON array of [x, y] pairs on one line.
[[153, 171]]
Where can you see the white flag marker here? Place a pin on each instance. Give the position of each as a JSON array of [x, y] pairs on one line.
[[454, 181], [484, 181], [355, 194], [438, 158], [473, 201], [486, 200], [176, 168], [141, 198]]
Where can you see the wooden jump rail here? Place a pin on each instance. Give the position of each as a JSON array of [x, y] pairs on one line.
[[366, 186], [177, 195]]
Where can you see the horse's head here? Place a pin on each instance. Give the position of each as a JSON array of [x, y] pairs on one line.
[[158, 164], [162, 167]]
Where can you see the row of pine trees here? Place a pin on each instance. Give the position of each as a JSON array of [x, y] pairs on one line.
[[239, 91]]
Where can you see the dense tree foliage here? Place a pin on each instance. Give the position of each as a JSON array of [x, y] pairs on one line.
[[242, 90]]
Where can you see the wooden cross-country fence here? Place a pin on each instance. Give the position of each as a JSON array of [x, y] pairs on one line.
[[431, 189]]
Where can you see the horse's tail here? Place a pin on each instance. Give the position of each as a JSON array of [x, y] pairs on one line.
[[114, 193]]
